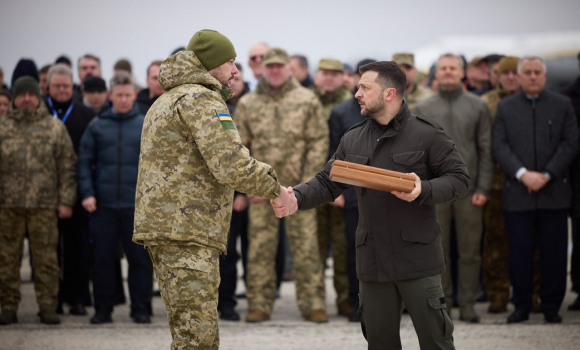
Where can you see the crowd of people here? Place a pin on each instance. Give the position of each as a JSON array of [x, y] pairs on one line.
[[69, 158]]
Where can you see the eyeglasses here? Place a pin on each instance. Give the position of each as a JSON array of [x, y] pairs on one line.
[[254, 58]]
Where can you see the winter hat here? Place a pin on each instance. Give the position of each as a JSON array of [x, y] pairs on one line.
[[211, 48], [25, 84]]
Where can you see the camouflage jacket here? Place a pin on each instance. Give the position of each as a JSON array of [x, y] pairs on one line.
[[37, 160], [286, 130], [418, 94], [191, 161], [328, 103]]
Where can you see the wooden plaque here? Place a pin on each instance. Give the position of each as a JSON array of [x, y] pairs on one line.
[[371, 177]]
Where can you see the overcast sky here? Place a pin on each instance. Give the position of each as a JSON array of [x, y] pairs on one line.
[[145, 30]]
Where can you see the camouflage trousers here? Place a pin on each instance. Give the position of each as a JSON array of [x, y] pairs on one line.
[[496, 254], [41, 225], [263, 245], [331, 231], [189, 278]]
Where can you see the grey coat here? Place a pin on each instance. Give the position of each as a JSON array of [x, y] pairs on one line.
[[540, 136], [465, 117], [396, 240]]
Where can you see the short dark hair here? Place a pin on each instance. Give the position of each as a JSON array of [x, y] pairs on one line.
[[239, 67], [63, 59], [44, 69], [90, 57], [6, 93], [390, 75], [154, 63], [302, 60], [123, 64]]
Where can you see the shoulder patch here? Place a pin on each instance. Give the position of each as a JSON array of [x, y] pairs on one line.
[[226, 120], [358, 125], [429, 121]]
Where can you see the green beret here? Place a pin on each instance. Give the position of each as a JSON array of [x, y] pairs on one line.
[[211, 48]]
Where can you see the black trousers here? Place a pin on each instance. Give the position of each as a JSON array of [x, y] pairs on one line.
[[350, 225], [575, 268], [552, 233], [228, 263], [108, 226], [74, 258]]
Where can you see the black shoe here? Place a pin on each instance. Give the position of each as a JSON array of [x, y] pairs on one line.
[[59, 309], [575, 306], [552, 317], [518, 316], [241, 295], [229, 314], [102, 315], [156, 293], [140, 314], [354, 316], [481, 297], [78, 310], [8, 317]]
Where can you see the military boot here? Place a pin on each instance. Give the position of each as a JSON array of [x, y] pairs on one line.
[[49, 317], [466, 313], [317, 316], [8, 317], [257, 316], [345, 308], [498, 303]]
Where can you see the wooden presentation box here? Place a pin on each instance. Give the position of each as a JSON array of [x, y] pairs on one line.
[[371, 177]]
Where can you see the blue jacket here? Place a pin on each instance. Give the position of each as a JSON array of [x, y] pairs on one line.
[[109, 158]]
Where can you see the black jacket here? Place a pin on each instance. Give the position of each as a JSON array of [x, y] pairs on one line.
[[144, 102], [109, 159], [539, 135], [573, 92], [342, 117], [77, 121], [396, 240]]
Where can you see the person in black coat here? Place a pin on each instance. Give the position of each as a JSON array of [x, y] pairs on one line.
[[573, 92], [147, 97], [107, 178], [73, 232], [535, 139]]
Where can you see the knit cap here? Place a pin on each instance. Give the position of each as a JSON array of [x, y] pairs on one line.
[[211, 48], [25, 84]]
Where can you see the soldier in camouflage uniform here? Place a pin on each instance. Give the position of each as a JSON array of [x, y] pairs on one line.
[[414, 93], [330, 91], [37, 179], [191, 161], [496, 277], [282, 124]]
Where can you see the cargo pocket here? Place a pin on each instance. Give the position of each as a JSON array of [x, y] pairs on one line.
[[410, 162], [358, 159], [441, 325], [187, 277]]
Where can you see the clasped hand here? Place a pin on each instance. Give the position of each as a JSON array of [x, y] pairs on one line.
[[286, 204]]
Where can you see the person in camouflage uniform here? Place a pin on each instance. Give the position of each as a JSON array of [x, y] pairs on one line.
[[37, 179], [496, 277], [331, 92], [191, 161], [414, 93], [282, 124]]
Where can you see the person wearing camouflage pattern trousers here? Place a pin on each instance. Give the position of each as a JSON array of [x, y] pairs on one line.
[[261, 277]]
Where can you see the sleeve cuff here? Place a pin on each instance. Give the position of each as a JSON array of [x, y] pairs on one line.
[[520, 172]]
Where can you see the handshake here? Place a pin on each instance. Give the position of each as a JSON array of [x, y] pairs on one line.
[[286, 204]]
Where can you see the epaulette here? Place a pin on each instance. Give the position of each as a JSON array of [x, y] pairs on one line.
[[358, 125], [429, 121]]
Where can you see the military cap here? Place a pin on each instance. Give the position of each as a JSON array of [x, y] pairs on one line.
[[404, 58], [211, 48], [476, 61], [508, 63], [26, 84], [276, 55], [330, 64]]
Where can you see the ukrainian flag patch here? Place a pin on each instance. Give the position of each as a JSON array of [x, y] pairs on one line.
[[226, 121]]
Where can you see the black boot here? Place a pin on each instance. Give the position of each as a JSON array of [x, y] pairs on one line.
[[518, 316], [140, 313], [102, 315]]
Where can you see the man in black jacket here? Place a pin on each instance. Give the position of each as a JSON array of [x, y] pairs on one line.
[[107, 177], [573, 92], [535, 138], [399, 255], [147, 97], [74, 231]]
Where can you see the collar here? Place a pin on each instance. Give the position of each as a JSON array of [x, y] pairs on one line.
[[451, 94]]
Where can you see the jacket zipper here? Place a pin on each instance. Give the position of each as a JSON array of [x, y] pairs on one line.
[[119, 165], [550, 125]]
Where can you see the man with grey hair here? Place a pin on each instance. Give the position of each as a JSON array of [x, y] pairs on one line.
[[535, 139], [73, 232], [465, 117], [107, 176], [88, 65], [255, 61]]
